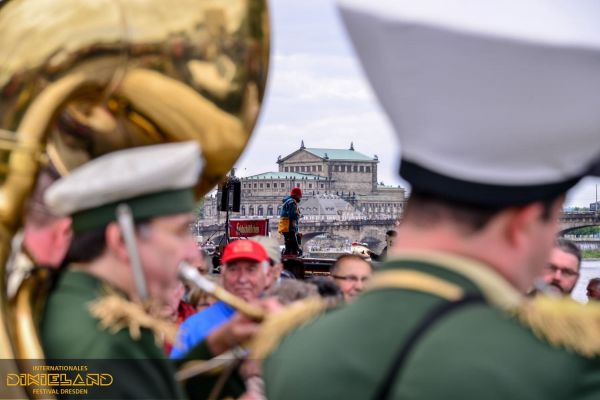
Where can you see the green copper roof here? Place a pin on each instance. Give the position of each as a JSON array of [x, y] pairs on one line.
[[285, 175], [339, 154]]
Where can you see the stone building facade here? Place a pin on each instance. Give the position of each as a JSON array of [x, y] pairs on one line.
[[345, 179], [348, 170]]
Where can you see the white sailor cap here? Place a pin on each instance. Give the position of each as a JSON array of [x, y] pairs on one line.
[[153, 180], [495, 102]]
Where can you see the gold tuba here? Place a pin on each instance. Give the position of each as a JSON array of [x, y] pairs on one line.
[[82, 78]]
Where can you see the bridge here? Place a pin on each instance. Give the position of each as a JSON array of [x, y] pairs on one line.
[[570, 221], [371, 231], [585, 242]]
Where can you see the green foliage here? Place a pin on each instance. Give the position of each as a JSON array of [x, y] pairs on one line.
[[590, 253], [579, 209], [587, 231]]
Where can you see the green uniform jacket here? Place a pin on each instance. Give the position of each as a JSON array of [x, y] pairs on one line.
[[474, 352], [139, 367]]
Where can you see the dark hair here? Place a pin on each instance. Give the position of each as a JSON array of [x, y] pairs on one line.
[[89, 245], [427, 209], [593, 281], [391, 233], [86, 246], [343, 257], [569, 247], [326, 287], [36, 211]]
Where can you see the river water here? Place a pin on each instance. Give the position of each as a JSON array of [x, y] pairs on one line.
[[589, 269]]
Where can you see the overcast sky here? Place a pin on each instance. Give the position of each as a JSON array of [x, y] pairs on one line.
[[318, 93]]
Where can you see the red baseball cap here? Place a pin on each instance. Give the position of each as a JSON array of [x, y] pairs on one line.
[[244, 250], [296, 192]]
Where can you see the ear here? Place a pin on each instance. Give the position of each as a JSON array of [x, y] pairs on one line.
[[115, 243], [521, 223], [557, 206], [266, 266], [63, 232], [61, 235]]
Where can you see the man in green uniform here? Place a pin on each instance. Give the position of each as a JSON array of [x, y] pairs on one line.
[[131, 211], [495, 106]]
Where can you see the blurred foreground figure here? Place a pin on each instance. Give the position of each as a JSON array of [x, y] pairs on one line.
[[99, 308], [495, 104]]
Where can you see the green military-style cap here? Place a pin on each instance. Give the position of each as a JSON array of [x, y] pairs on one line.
[[495, 103], [153, 180]]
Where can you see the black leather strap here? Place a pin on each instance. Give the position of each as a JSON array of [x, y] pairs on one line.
[[385, 388]]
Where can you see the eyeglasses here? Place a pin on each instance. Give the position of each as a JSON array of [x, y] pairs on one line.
[[564, 271], [351, 278]]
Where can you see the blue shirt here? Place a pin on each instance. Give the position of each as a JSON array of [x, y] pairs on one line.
[[197, 327]]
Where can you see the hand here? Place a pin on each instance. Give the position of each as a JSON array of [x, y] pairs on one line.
[[255, 389], [235, 331], [271, 305], [250, 368], [238, 329]]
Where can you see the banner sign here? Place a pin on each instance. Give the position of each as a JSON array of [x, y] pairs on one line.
[[239, 228]]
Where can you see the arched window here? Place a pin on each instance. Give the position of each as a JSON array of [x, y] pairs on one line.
[[243, 210], [270, 211], [251, 211], [260, 211]]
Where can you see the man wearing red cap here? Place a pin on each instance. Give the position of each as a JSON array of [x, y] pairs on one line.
[[288, 221], [245, 265]]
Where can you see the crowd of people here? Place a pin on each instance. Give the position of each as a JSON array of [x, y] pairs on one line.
[[87, 252], [251, 269]]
